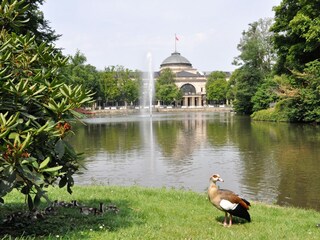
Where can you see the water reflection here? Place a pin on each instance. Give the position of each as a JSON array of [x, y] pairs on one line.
[[270, 162]]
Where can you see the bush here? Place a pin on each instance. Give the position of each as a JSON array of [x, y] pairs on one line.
[[36, 109]]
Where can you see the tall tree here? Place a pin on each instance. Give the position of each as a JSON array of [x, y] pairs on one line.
[[255, 60], [216, 87], [297, 42], [119, 84], [296, 34], [256, 47], [77, 72]]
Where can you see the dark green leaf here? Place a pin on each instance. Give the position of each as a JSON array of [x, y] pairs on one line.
[[62, 182], [25, 190], [30, 202], [37, 198]]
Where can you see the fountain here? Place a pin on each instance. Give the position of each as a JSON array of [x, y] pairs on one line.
[[147, 90]]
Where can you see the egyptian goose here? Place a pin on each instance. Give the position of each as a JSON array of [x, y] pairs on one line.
[[227, 201]]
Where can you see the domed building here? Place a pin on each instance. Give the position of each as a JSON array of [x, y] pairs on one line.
[[188, 79]]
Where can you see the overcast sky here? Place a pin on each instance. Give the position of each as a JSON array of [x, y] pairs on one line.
[[123, 32]]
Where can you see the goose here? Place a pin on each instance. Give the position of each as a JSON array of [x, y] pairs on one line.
[[227, 201]]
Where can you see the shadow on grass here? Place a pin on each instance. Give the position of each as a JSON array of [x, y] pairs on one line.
[[68, 220], [235, 220]]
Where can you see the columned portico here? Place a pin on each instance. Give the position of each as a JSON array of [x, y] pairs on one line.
[[192, 101]]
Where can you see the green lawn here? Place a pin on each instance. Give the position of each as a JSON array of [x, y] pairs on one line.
[[149, 213]]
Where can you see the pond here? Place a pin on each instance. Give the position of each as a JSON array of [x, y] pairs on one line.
[[262, 161]]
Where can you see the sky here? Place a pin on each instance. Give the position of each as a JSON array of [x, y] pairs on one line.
[[125, 32]]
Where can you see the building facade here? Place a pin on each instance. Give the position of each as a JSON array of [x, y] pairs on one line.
[[191, 82]]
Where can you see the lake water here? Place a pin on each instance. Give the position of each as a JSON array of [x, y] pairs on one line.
[[262, 161]]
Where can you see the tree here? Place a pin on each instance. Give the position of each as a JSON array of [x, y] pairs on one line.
[[78, 73], [216, 75], [265, 95], [166, 89], [216, 87], [296, 40], [296, 34], [247, 82], [255, 60], [111, 92], [129, 83], [256, 47], [309, 96], [26, 11], [36, 108], [217, 91], [119, 84]]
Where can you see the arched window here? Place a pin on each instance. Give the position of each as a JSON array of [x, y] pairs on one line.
[[188, 89]]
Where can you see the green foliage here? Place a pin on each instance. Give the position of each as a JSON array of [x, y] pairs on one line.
[[13, 10], [308, 100], [217, 90], [120, 84], [265, 95], [24, 17], [269, 115], [168, 93], [76, 72], [256, 49], [298, 95], [296, 39], [166, 77], [297, 34], [217, 86], [255, 62], [35, 112], [247, 82], [216, 75], [166, 90]]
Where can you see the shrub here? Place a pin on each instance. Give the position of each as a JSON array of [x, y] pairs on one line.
[[36, 109]]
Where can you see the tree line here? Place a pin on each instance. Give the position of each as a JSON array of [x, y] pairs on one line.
[[276, 76], [279, 67]]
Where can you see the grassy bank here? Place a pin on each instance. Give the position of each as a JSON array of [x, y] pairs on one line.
[[156, 214]]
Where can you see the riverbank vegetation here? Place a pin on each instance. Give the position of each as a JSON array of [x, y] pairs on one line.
[[280, 65], [150, 213]]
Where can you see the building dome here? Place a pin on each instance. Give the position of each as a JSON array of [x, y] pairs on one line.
[[175, 60]]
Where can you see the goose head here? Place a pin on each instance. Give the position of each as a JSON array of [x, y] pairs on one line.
[[216, 178]]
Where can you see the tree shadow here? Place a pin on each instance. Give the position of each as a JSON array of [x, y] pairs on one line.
[[66, 220]]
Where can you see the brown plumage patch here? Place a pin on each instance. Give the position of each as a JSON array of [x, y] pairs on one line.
[[232, 197]]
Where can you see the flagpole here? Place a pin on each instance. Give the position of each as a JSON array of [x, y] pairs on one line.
[[175, 42]]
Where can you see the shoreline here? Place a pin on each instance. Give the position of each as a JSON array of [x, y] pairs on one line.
[[114, 111]]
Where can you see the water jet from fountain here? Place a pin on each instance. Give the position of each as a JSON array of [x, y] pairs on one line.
[[147, 91]]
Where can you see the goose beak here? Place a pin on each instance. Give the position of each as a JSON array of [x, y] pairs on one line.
[[220, 179]]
